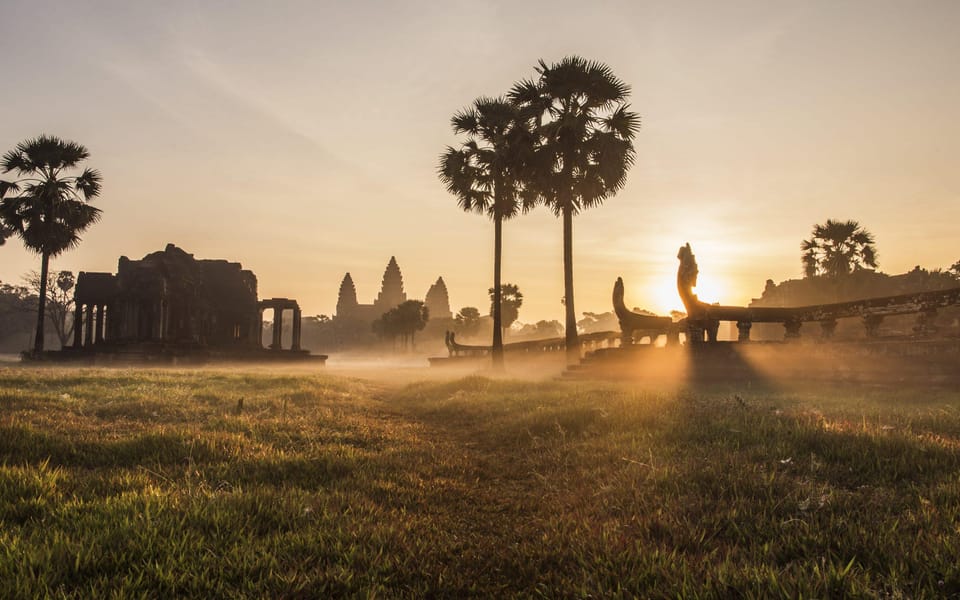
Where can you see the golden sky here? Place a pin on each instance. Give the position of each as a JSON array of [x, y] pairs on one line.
[[302, 138]]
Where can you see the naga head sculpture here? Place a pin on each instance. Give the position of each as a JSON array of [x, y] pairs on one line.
[[687, 277]]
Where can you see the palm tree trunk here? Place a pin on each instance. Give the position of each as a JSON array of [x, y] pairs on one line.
[[572, 341], [41, 308], [497, 351]]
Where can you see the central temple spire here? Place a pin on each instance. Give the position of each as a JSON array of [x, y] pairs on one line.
[[391, 291]]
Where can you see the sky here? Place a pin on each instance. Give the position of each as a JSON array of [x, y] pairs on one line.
[[302, 138]]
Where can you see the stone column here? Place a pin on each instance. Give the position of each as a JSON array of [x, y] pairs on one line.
[[827, 328], [743, 330], [98, 336], [88, 334], [78, 325], [259, 336], [872, 324], [792, 330], [295, 343], [277, 327]]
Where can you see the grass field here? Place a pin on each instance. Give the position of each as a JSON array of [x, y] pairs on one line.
[[123, 483]]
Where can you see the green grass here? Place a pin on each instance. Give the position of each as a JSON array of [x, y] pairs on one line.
[[154, 484]]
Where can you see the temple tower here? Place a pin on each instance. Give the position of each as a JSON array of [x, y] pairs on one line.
[[391, 291], [347, 300], [438, 301]]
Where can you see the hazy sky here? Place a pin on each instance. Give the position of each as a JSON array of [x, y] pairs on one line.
[[302, 138]]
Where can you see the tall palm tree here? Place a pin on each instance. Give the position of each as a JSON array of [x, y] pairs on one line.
[[585, 131], [47, 207], [838, 248], [486, 174]]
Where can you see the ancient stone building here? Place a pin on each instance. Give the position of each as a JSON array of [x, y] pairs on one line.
[[391, 294], [168, 301], [438, 301]]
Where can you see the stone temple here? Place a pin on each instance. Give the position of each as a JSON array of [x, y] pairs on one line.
[[391, 294], [170, 304]]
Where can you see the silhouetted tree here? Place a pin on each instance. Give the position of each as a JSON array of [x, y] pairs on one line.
[[467, 321], [47, 208], [59, 306], [16, 323], [486, 174], [838, 248], [955, 269], [585, 131], [403, 321], [511, 299]]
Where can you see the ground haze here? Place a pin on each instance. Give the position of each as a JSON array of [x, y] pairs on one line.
[[256, 483]]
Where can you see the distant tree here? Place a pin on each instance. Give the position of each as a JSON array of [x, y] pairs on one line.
[[541, 330], [511, 299], [593, 322], [59, 289], [838, 248], [955, 270], [47, 208], [467, 321], [403, 321], [585, 130], [16, 324], [486, 174]]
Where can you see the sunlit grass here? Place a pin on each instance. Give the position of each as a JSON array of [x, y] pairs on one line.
[[161, 483]]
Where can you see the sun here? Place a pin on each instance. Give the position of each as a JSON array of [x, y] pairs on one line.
[[664, 297]]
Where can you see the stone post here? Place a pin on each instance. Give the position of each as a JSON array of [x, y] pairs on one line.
[[88, 334], [78, 325], [259, 336], [827, 328], [98, 336], [792, 330], [295, 343], [743, 330], [277, 327]]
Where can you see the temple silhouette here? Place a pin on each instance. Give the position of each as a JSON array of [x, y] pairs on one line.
[[391, 295], [170, 305]]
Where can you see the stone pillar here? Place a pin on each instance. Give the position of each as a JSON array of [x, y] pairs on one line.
[[277, 327], [712, 328], [98, 336], [827, 328], [88, 334], [78, 325], [259, 336], [872, 324], [694, 333], [295, 343], [792, 330], [743, 330]]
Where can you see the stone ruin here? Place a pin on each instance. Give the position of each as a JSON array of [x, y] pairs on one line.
[[171, 305]]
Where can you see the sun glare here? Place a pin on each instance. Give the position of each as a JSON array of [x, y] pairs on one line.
[[664, 298]]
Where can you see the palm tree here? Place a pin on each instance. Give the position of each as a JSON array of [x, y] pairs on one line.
[[838, 248], [486, 174], [47, 208], [585, 131]]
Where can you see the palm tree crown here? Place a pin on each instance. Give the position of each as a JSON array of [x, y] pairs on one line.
[[50, 210], [585, 129], [486, 172], [838, 248], [47, 207]]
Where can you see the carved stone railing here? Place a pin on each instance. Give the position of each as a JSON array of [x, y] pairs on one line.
[[704, 319], [588, 341], [634, 326]]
